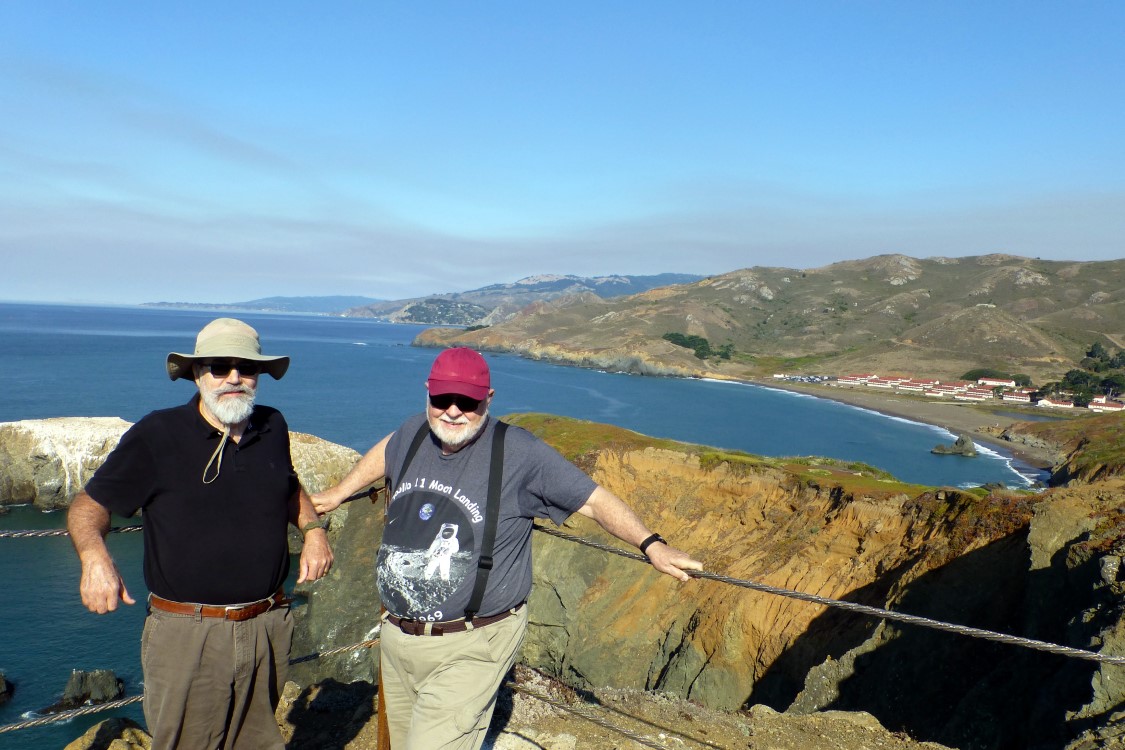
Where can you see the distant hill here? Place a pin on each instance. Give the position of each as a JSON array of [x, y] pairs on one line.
[[499, 302], [331, 305], [887, 314]]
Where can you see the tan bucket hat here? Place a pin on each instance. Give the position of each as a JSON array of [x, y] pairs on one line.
[[226, 338]]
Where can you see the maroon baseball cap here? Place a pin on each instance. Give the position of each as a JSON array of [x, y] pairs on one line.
[[461, 371]]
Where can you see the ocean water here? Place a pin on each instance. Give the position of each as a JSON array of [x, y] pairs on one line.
[[351, 381]]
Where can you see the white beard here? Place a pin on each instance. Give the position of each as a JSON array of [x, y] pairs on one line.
[[454, 438], [229, 411]]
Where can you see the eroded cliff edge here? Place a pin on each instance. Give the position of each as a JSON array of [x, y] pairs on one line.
[[1041, 566]]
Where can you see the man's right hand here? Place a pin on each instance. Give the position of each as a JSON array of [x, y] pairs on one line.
[[102, 586], [326, 501], [368, 470]]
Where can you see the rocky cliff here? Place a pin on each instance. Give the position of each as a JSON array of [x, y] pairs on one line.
[[1019, 563], [1088, 450], [45, 462]]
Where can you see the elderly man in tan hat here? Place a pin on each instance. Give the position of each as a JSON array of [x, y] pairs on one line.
[[216, 485]]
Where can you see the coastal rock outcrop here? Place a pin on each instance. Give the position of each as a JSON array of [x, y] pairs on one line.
[[962, 446], [118, 733], [45, 462], [721, 645], [1088, 449], [634, 359], [1020, 438], [5, 689], [319, 463], [93, 687]]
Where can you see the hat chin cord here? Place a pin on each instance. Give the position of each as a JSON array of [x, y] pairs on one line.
[[218, 454]]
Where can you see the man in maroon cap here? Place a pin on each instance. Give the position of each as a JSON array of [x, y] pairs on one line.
[[456, 555]]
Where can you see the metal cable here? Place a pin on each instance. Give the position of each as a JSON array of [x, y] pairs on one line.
[[110, 705], [860, 608], [585, 714], [32, 533], [72, 714], [333, 651]]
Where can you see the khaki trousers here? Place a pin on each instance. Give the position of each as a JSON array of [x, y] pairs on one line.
[[439, 691], [214, 684]]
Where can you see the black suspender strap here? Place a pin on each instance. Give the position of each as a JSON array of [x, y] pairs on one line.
[[492, 513], [422, 434]]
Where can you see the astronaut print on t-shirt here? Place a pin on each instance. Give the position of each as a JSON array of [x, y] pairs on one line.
[[426, 556]]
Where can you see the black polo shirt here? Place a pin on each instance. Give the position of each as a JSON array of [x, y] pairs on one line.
[[218, 543]]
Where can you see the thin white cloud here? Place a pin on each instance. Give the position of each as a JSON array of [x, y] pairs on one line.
[[394, 154]]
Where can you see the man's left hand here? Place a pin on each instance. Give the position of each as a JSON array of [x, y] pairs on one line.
[[672, 561], [316, 556]]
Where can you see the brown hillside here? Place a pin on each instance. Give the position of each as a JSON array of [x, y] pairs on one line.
[[886, 313], [998, 336]]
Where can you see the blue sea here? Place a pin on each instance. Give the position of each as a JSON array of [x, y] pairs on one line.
[[351, 381]]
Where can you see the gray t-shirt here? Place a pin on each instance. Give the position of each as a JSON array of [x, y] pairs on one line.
[[427, 563]]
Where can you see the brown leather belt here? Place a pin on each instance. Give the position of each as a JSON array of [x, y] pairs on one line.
[[237, 612], [422, 627]]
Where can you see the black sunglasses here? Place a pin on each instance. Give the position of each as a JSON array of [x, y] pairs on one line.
[[220, 368], [446, 400]]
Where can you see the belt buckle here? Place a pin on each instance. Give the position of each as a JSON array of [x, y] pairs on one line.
[[419, 627], [232, 612]]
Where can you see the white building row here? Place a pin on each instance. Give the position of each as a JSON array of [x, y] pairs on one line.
[[964, 390]]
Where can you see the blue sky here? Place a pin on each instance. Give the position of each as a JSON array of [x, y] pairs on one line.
[[220, 152]]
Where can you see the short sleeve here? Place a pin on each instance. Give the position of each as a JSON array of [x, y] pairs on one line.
[[559, 485], [125, 482]]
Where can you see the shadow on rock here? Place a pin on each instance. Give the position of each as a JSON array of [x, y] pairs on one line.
[[329, 715], [958, 690], [118, 733]]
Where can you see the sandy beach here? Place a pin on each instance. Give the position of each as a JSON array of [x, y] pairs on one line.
[[981, 424]]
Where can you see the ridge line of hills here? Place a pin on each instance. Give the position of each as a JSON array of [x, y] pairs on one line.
[[487, 304], [887, 314]]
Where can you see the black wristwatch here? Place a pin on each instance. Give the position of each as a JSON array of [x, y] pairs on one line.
[[644, 545]]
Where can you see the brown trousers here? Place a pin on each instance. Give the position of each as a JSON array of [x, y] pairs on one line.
[[214, 684]]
